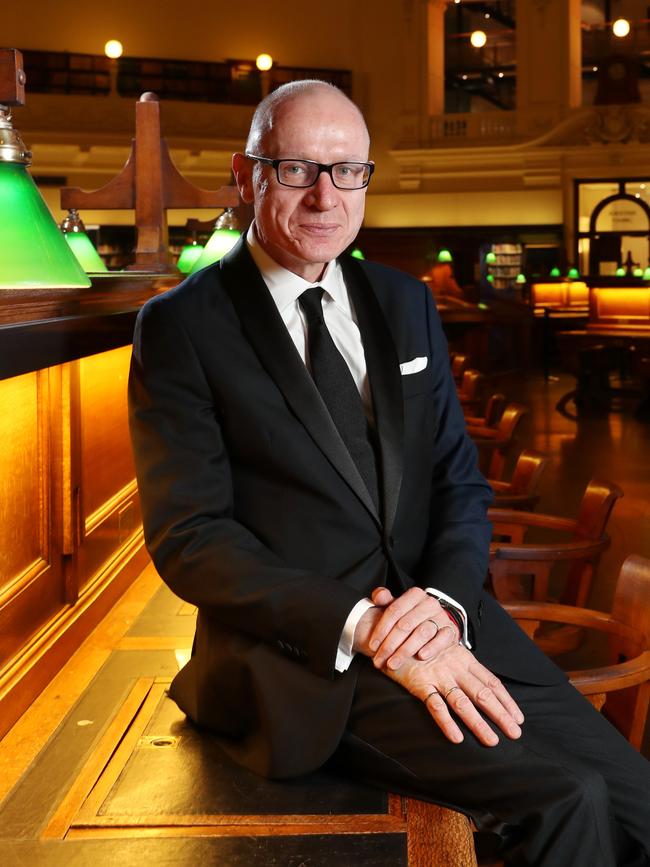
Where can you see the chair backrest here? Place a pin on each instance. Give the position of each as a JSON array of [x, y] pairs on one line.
[[595, 509], [628, 708], [528, 471], [459, 365], [632, 596], [471, 384], [506, 428], [494, 409]]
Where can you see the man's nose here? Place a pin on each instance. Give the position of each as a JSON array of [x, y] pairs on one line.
[[323, 194]]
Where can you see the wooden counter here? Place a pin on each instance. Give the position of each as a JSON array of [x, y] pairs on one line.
[[70, 528]]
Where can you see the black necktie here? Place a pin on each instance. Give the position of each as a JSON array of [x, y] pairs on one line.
[[338, 389]]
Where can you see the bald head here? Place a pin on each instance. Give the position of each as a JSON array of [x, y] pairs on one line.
[[271, 108]]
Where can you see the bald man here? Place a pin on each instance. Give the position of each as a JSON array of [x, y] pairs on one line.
[[307, 482]]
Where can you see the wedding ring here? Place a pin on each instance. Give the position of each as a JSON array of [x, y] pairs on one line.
[[435, 623], [434, 692], [449, 692]]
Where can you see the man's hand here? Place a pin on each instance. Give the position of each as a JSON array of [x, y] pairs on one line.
[[413, 624], [456, 681]]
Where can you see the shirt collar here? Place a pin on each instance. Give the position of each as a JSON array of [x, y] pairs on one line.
[[286, 287]]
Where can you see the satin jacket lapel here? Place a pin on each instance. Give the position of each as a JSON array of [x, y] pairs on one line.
[[263, 326], [385, 379]]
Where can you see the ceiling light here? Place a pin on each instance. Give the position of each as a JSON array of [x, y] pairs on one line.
[[263, 62], [621, 27], [113, 49], [478, 38]]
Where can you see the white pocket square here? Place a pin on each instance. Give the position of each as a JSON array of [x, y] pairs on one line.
[[415, 365]]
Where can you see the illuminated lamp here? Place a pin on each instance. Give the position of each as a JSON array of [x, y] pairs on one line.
[[621, 27], [490, 258], [638, 272], [33, 252], [478, 38], [74, 232], [189, 254], [224, 237], [445, 256], [521, 278], [573, 274], [113, 49], [620, 272], [554, 272], [264, 62], [646, 274], [357, 254], [490, 278]]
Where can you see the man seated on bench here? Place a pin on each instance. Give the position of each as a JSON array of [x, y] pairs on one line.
[[307, 482]]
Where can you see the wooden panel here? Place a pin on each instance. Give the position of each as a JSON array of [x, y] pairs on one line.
[[106, 461], [31, 576], [22, 471], [109, 509]]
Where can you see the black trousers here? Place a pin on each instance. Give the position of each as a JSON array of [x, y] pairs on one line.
[[570, 792]]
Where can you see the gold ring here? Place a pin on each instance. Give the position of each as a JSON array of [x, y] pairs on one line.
[[434, 692], [449, 691]]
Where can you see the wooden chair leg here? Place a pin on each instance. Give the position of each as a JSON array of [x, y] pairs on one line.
[[438, 837]]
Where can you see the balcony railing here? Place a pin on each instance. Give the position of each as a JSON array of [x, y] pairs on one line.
[[482, 126]]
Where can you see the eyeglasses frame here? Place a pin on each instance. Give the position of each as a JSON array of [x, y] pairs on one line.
[[322, 167]]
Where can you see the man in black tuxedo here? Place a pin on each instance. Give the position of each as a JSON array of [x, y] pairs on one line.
[[307, 482]]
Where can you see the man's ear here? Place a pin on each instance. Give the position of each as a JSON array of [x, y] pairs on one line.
[[243, 171]]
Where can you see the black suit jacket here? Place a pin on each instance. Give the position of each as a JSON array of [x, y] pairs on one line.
[[255, 512]]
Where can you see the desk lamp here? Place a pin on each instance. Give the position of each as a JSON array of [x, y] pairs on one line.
[[33, 252], [224, 237], [74, 232]]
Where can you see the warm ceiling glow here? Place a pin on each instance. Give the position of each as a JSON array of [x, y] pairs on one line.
[[263, 62], [621, 27], [478, 39], [113, 48]]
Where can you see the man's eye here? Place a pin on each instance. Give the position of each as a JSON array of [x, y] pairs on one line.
[[295, 169]]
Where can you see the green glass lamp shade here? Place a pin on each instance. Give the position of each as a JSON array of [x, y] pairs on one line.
[[189, 254], [620, 272], [521, 278], [490, 258], [573, 274], [490, 278], [33, 252], [83, 248], [638, 272], [357, 254], [220, 242], [445, 256], [646, 274], [555, 272]]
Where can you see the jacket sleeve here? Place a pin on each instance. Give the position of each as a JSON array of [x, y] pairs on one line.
[[456, 554], [206, 556]]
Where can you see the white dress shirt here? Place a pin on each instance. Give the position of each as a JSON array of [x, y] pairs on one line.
[[286, 288]]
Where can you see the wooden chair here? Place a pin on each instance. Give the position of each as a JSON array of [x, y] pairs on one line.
[[511, 557], [491, 414], [459, 365], [621, 688], [521, 491], [495, 443], [471, 387]]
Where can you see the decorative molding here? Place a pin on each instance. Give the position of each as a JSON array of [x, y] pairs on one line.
[[619, 124]]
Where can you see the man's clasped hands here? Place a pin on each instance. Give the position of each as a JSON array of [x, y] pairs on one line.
[[412, 640]]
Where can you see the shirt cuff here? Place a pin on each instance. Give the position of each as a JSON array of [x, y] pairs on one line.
[[344, 653], [440, 596]]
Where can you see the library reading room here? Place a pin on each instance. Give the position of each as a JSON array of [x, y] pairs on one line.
[[325, 396]]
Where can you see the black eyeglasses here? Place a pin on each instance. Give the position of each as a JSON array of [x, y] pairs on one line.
[[305, 173]]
